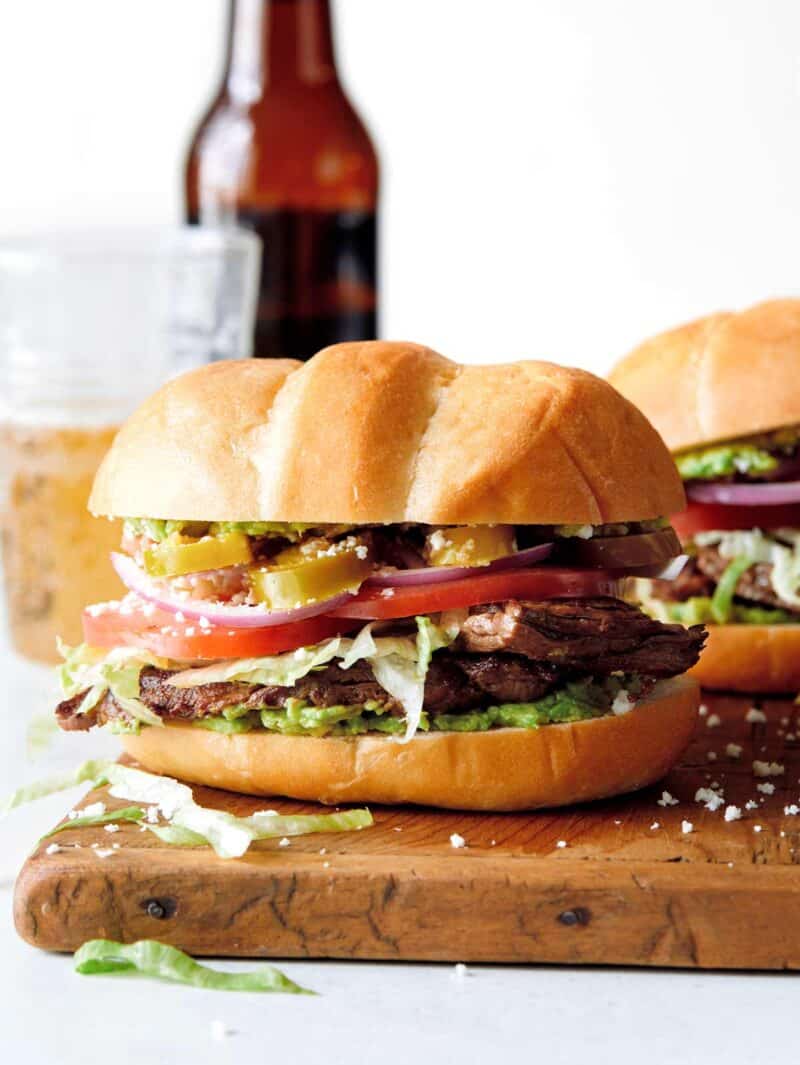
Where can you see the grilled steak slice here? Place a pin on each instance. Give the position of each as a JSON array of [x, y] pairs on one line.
[[205, 701], [754, 584], [331, 686], [506, 678], [599, 635], [453, 683]]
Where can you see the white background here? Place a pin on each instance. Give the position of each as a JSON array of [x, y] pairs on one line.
[[562, 177]]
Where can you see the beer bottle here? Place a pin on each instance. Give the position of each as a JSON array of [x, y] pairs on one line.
[[282, 151]]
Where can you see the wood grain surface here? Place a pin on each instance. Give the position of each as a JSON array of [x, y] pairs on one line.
[[629, 888]]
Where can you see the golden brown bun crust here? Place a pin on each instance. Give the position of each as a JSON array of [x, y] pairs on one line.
[[387, 432], [725, 376], [503, 769], [751, 658]]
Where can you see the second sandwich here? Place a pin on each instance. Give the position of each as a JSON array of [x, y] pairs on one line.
[[724, 392]]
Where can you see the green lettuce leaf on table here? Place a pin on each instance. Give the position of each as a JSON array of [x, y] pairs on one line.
[[149, 958]]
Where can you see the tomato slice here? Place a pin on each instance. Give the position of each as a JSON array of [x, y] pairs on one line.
[[700, 517], [535, 583], [120, 624]]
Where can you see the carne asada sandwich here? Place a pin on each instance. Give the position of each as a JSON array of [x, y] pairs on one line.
[[382, 576], [724, 392]]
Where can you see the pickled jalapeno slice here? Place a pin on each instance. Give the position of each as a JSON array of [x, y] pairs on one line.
[[469, 545], [178, 555], [315, 571]]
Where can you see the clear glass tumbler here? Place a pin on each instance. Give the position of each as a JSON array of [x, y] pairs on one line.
[[90, 324]]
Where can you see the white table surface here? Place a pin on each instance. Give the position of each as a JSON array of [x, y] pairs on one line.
[[387, 1013]]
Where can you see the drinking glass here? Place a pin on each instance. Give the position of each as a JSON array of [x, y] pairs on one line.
[[90, 324]]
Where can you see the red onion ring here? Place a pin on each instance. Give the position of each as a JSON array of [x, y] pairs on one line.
[[439, 574], [234, 617], [746, 495]]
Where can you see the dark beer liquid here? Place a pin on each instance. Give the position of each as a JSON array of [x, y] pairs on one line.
[[282, 151], [317, 279]]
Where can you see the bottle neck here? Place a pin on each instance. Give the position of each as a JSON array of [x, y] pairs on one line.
[[278, 44]]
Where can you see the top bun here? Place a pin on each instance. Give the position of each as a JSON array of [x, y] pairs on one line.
[[387, 432], [721, 377]]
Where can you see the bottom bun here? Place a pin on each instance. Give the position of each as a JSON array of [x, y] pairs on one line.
[[503, 769], [751, 658]]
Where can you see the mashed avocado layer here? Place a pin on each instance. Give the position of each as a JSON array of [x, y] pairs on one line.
[[724, 460], [576, 701], [754, 455]]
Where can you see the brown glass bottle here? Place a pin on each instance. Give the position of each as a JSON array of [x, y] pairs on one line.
[[282, 151]]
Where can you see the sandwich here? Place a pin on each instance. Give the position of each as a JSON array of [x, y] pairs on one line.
[[724, 393], [383, 576]]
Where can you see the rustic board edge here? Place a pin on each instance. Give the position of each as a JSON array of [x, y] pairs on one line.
[[518, 910]]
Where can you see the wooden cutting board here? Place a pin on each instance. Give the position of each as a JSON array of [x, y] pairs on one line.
[[629, 888]]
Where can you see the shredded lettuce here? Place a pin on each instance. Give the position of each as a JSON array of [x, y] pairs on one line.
[[127, 813], [722, 599], [97, 671], [148, 957], [91, 771], [264, 825], [230, 836], [282, 670], [177, 836]]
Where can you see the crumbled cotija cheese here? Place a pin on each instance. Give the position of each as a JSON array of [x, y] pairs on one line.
[[623, 703], [754, 716], [687, 827], [733, 813], [457, 841], [766, 788], [734, 750], [712, 800], [767, 769], [713, 721], [667, 799]]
